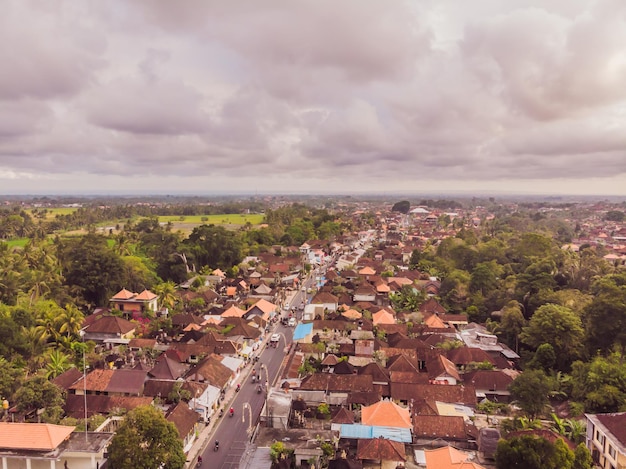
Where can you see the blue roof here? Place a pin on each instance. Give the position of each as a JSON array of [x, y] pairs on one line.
[[302, 330], [403, 435]]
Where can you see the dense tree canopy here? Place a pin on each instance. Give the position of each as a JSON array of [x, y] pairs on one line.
[[146, 440], [561, 328]]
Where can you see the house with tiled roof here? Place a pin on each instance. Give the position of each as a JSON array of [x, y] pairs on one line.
[[210, 370], [109, 328], [442, 371], [384, 452], [606, 439], [452, 429], [38, 445], [386, 414], [491, 384], [448, 457], [110, 382], [186, 422], [383, 317], [459, 394], [329, 301], [128, 302]]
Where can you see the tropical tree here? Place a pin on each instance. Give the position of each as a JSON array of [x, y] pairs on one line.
[[57, 364], [167, 294], [39, 393], [533, 452], [146, 440], [530, 391], [70, 320], [561, 328]]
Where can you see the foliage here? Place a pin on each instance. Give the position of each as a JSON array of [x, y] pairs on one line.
[[601, 383], [91, 267], [146, 440], [582, 458], [532, 452], [402, 206], [277, 451], [561, 328], [615, 215], [408, 298], [324, 409], [530, 391], [39, 393]]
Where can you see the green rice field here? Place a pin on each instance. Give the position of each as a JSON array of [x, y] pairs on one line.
[[226, 219]]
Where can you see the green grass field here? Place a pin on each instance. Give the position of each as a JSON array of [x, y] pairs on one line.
[[19, 242], [227, 219], [52, 212]]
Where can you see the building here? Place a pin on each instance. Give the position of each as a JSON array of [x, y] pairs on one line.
[[606, 439]]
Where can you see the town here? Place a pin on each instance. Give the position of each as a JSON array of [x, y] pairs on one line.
[[327, 332]]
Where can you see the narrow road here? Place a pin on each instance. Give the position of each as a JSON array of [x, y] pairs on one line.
[[233, 433]]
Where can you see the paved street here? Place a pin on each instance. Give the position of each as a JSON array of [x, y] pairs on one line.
[[232, 432]]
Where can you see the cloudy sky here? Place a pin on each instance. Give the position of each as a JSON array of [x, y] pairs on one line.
[[310, 96]]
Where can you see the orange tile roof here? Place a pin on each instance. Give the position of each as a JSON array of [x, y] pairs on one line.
[[386, 414], [146, 295], [383, 317], [264, 306], [449, 458], [124, 294], [33, 436], [233, 312]]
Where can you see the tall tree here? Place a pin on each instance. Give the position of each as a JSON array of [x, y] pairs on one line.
[[530, 390], [561, 328], [146, 440]]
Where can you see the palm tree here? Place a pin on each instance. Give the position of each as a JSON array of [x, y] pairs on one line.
[[167, 294], [58, 363], [70, 321]]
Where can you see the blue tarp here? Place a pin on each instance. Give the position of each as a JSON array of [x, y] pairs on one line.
[[302, 330], [403, 435]]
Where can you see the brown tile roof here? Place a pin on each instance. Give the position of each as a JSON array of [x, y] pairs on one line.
[[408, 377], [158, 388], [183, 418], [343, 415], [67, 378], [33, 436], [363, 398], [439, 426], [336, 383], [453, 394], [212, 371], [110, 325], [401, 363], [616, 424], [376, 371], [494, 380], [462, 356], [431, 305], [113, 381], [324, 297], [142, 343], [167, 368], [441, 366], [75, 404], [380, 449]]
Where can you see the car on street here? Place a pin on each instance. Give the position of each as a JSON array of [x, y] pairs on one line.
[[292, 322], [275, 338]]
